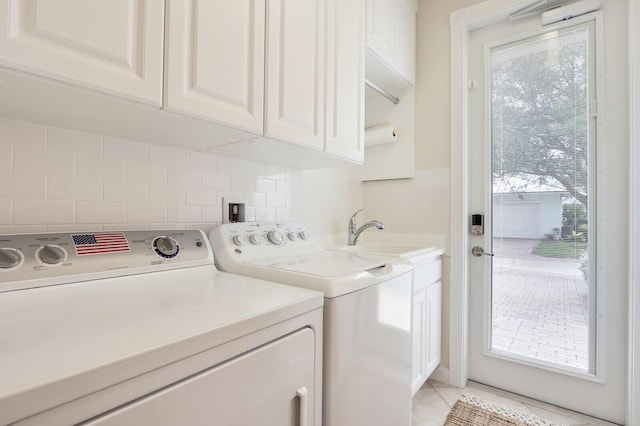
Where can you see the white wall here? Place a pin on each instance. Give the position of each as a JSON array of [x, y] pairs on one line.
[[56, 180]]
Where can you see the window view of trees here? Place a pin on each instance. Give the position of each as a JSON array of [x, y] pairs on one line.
[[540, 114]]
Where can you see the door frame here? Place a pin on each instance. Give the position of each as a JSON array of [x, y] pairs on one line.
[[633, 412], [462, 22]]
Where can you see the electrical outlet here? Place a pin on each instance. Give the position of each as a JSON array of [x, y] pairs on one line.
[[233, 210]]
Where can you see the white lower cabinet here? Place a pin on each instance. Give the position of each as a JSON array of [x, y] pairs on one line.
[[271, 385], [426, 321]]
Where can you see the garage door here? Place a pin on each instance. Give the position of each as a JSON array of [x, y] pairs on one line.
[[516, 220]]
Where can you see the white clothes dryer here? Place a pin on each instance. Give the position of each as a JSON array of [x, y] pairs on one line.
[[139, 328]]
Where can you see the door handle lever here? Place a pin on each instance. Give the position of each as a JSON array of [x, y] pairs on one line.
[[479, 251]]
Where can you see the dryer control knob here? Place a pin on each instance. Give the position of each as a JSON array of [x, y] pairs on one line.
[[166, 247], [292, 236], [52, 255], [304, 235], [239, 240], [255, 239], [9, 258], [275, 237]]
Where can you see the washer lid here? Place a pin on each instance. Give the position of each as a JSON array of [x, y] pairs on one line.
[[324, 263]]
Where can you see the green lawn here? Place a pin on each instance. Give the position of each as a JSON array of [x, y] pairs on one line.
[[560, 249]]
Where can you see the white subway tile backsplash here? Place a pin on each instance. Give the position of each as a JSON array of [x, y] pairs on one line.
[[167, 226], [125, 191], [27, 212], [99, 168], [265, 185], [259, 200], [283, 215], [6, 212], [74, 228], [100, 212], [6, 159], [116, 148], [167, 156], [182, 213], [23, 185], [160, 193], [215, 180], [201, 161], [283, 187], [63, 140], [31, 160], [22, 229], [14, 133], [276, 200], [250, 214], [187, 178], [127, 227], [146, 213], [212, 214], [202, 196], [265, 214], [63, 180], [146, 173], [71, 188]]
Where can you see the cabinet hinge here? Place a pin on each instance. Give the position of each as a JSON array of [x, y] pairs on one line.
[[593, 108], [471, 84]]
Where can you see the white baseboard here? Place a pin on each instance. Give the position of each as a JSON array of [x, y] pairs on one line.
[[440, 374]]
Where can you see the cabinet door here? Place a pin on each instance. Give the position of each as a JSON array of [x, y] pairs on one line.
[[345, 79], [380, 16], [215, 60], [112, 46], [419, 334], [272, 385], [434, 322], [405, 39], [295, 71]]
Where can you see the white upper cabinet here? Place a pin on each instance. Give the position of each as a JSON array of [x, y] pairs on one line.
[[295, 71], [380, 28], [225, 71], [214, 61], [344, 131], [111, 46], [391, 44], [405, 40]]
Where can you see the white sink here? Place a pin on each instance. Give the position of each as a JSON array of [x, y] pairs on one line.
[[405, 251]]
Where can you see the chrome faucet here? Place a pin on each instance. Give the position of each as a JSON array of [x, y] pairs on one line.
[[354, 231]]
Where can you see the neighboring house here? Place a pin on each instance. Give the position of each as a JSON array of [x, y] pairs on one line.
[[525, 209]]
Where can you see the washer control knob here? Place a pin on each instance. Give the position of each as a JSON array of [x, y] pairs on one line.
[[292, 236], [275, 237], [51, 255], [166, 247], [239, 240], [255, 239], [304, 235], [9, 258]]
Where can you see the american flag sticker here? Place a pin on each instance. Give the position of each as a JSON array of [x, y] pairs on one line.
[[100, 243]]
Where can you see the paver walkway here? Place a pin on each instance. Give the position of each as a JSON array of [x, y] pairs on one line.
[[540, 305]]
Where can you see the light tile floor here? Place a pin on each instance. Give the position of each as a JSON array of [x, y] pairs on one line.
[[434, 400]]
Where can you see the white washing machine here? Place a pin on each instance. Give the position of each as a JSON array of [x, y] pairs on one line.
[[139, 328], [367, 315]]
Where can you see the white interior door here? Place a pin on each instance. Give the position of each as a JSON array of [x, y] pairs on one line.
[[543, 321]]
